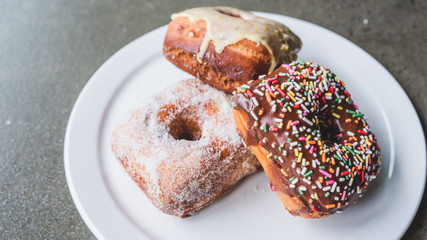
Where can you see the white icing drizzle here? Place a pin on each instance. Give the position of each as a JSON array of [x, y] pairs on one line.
[[226, 25]]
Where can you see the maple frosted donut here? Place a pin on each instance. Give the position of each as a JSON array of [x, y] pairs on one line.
[[311, 139], [225, 46], [182, 148]]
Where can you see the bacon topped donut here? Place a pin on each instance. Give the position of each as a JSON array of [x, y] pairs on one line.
[[311, 139]]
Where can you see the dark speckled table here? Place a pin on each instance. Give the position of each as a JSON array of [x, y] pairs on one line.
[[49, 50]]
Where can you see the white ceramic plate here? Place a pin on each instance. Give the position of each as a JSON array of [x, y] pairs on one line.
[[114, 207]]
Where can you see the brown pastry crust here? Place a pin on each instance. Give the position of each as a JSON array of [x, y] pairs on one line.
[[182, 148], [226, 70], [291, 203], [238, 61]]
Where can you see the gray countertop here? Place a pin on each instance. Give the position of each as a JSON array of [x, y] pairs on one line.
[[49, 50]]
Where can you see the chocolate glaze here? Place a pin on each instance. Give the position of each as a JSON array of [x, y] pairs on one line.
[[341, 155]]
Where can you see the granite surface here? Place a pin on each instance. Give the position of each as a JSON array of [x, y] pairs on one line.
[[49, 50]]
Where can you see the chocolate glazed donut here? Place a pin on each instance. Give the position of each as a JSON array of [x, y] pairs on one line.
[[311, 139]]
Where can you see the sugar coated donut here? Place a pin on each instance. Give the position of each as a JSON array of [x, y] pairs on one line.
[[225, 46], [182, 148], [311, 139]]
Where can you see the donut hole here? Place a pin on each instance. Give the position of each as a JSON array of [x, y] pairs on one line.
[[330, 128], [185, 128]]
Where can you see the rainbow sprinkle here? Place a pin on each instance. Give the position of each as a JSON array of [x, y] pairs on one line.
[[296, 108]]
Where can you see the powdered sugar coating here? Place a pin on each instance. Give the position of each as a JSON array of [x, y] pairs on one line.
[[182, 148]]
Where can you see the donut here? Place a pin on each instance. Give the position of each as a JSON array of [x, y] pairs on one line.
[[309, 136], [182, 147], [225, 47]]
